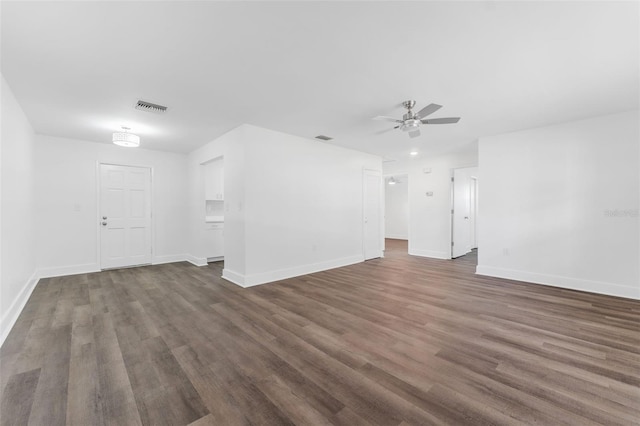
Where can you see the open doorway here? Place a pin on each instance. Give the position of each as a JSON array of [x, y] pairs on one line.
[[464, 212], [396, 217]]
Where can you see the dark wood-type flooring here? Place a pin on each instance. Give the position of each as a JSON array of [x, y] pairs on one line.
[[395, 341]]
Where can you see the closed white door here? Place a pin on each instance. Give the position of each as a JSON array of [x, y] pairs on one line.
[[125, 216], [372, 203]]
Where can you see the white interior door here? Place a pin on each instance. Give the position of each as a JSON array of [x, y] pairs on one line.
[[463, 218], [125, 216], [373, 224]]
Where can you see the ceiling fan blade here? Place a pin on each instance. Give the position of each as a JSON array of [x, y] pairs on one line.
[[447, 120], [386, 130], [429, 109], [383, 118], [414, 134]]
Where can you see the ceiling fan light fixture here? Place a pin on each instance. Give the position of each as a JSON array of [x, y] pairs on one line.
[[411, 121], [410, 125], [126, 139]]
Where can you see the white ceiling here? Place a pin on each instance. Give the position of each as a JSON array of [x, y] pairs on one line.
[[310, 68]]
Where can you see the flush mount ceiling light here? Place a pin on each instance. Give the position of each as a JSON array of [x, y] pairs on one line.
[[413, 153], [126, 139]]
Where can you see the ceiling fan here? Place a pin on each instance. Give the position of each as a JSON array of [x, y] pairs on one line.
[[411, 121]]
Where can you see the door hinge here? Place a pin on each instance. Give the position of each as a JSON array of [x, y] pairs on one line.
[[451, 211], [451, 178], [451, 243]]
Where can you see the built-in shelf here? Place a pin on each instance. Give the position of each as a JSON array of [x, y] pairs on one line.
[[214, 180]]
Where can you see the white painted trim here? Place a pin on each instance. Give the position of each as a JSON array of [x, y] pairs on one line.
[[215, 259], [599, 287], [430, 253], [11, 315], [61, 271], [381, 207], [88, 268], [169, 258], [197, 261], [234, 277], [282, 274]]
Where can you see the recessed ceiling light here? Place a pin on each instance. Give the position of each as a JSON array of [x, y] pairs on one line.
[[413, 153]]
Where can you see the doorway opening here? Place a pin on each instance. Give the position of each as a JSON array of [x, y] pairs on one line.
[[214, 208], [396, 212]]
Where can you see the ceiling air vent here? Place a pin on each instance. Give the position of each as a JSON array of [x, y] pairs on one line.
[[148, 106], [323, 138]]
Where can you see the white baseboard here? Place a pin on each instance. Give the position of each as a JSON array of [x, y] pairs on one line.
[[396, 237], [234, 277], [94, 267], [60, 271], [430, 253], [599, 287], [282, 274], [198, 261], [215, 259], [169, 258], [11, 316]]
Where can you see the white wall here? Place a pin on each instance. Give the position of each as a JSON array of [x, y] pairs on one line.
[[17, 236], [303, 210], [67, 196], [396, 216], [430, 217], [559, 205]]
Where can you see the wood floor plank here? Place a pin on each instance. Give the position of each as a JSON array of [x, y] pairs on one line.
[[50, 399], [399, 340], [15, 407], [83, 399]]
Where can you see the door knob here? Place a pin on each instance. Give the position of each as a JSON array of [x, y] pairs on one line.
[[104, 217], [104, 223]]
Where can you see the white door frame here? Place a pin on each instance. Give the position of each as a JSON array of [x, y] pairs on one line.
[[451, 195], [98, 209], [380, 210], [474, 209]]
